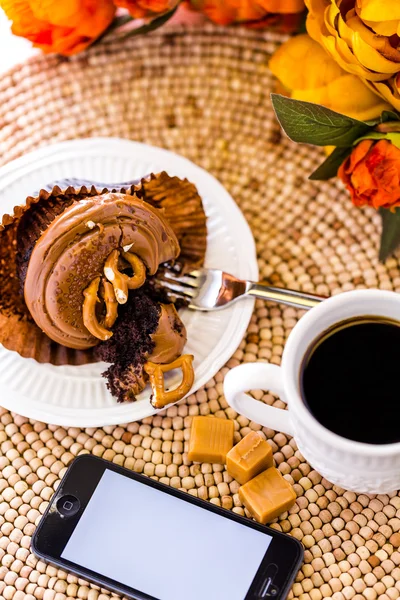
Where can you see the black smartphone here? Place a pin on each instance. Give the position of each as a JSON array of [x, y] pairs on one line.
[[146, 540]]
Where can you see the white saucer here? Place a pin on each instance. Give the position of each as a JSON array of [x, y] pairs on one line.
[[77, 396]]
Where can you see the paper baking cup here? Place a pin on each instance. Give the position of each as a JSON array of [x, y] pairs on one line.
[[180, 202]]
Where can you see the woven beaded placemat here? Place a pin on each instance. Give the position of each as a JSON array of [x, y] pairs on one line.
[[203, 93]]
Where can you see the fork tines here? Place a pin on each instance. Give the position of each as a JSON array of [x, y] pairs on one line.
[[182, 285]]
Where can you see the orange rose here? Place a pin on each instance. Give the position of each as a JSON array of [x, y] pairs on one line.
[[66, 27], [146, 8], [372, 174], [285, 14]]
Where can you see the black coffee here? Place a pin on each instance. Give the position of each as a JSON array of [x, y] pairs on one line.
[[350, 380]]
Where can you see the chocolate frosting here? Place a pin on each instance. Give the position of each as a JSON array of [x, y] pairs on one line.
[[169, 337], [72, 250]]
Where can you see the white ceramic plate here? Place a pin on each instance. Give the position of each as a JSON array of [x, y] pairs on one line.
[[77, 396]]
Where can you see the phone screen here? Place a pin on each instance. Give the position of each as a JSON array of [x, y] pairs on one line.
[[169, 549]]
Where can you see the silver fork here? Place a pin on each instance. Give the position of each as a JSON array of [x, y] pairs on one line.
[[212, 289]]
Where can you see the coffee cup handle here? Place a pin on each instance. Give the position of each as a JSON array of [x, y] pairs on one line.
[[257, 376]]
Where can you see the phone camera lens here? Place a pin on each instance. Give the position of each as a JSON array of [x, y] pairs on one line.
[[68, 505], [273, 591]]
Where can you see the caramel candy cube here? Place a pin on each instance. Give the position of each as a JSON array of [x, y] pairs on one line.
[[267, 495], [210, 439], [249, 457]]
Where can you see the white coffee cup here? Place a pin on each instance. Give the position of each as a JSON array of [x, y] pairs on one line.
[[356, 466]]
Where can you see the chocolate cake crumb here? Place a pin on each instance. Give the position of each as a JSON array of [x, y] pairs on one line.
[[130, 344]]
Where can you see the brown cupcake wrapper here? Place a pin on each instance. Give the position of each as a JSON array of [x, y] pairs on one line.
[[182, 206]]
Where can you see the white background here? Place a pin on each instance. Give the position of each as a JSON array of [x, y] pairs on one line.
[[163, 546], [13, 49]]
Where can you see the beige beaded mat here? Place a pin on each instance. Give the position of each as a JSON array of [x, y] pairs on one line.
[[204, 94]]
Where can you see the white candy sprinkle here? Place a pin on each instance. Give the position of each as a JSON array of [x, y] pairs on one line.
[[109, 273], [121, 296]]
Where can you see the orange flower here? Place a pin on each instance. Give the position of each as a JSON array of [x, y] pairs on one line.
[[66, 27], [372, 174], [146, 8], [285, 14]]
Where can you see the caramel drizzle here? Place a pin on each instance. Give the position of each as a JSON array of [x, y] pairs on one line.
[[90, 319], [108, 295]]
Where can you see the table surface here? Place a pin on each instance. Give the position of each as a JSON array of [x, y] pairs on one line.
[[210, 105]]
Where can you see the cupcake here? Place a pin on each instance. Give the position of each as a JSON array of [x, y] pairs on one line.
[[77, 279]]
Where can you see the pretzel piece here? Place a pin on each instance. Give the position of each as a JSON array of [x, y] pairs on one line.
[[139, 271], [89, 312], [160, 397], [118, 279], [108, 295]]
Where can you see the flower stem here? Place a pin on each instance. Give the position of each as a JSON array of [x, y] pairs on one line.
[[389, 127]]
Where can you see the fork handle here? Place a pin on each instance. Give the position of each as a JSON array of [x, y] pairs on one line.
[[283, 296]]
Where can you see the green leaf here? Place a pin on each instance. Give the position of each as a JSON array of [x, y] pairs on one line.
[[310, 123], [393, 137], [390, 239], [330, 166], [372, 135], [389, 115], [126, 26], [115, 24], [153, 24]]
